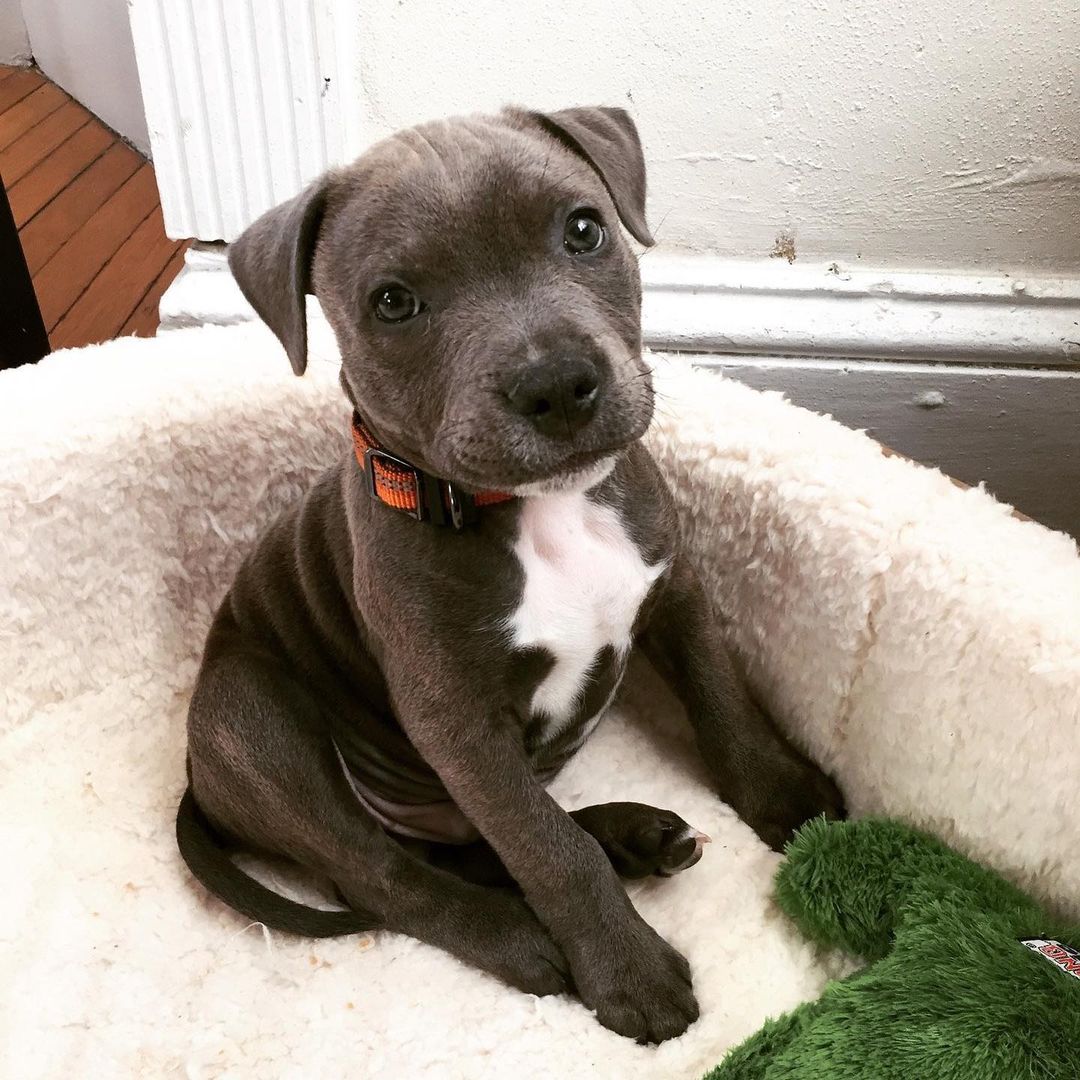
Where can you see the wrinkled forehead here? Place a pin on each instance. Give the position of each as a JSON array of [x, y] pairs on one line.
[[461, 189]]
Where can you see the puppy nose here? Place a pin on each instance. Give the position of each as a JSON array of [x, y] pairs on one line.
[[559, 398]]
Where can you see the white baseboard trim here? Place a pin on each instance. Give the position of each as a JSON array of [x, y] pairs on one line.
[[703, 304], [711, 305], [204, 292]]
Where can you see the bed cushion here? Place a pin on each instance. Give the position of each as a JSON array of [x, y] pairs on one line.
[[918, 639]]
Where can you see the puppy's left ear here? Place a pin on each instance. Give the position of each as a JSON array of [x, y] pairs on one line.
[[608, 140], [271, 261]]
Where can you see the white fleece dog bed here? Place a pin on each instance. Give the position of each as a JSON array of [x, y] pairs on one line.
[[918, 640]]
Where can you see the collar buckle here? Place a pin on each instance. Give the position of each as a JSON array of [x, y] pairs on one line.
[[461, 506], [372, 455]]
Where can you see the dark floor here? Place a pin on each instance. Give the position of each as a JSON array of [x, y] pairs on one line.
[[86, 206]]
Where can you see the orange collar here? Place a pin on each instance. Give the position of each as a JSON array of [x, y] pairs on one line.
[[411, 490]]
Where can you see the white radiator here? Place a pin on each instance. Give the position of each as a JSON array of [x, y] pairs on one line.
[[243, 102]]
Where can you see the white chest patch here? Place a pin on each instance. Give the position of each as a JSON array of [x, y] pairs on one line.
[[584, 582]]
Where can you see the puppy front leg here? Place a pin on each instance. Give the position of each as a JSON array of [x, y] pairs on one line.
[[768, 783], [637, 983]]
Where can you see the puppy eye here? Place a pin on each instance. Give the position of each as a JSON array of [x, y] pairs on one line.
[[583, 232], [395, 304]]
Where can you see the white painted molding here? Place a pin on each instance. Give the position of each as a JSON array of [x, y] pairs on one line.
[[704, 304], [708, 305], [203, 292]]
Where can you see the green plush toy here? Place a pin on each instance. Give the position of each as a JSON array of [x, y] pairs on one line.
[[969, 979]]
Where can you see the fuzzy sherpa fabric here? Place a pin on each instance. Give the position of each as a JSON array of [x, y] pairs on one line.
[[916, 638]]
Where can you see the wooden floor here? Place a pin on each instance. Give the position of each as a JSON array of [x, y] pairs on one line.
[[86, 206]]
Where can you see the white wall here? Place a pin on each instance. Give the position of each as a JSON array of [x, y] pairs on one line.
[[902, 133], [14, 42], [85, 46]]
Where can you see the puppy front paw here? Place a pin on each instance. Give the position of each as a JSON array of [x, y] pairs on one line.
[[638, 985]]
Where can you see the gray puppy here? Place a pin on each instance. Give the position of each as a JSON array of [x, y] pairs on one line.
[[417, 647]]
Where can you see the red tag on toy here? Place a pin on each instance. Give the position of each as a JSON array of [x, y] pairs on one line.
[[1060, 955]]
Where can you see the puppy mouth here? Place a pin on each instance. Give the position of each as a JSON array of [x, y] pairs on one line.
[[579, 469], [580, 473], [582, 461]]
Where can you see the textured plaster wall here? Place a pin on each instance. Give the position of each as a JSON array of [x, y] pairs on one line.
[[911, 133]]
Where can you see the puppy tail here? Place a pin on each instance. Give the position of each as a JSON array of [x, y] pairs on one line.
[[211, 866]]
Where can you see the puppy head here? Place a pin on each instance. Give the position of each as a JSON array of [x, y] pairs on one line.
[[484, 298]]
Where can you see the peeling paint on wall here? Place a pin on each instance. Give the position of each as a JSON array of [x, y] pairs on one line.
[[784, 247], [1034, 171]]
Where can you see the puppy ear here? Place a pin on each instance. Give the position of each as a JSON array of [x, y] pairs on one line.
[[271, 261], [608, 140]]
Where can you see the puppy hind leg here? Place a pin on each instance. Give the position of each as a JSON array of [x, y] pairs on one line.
[[264, 772], [641, 840]]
